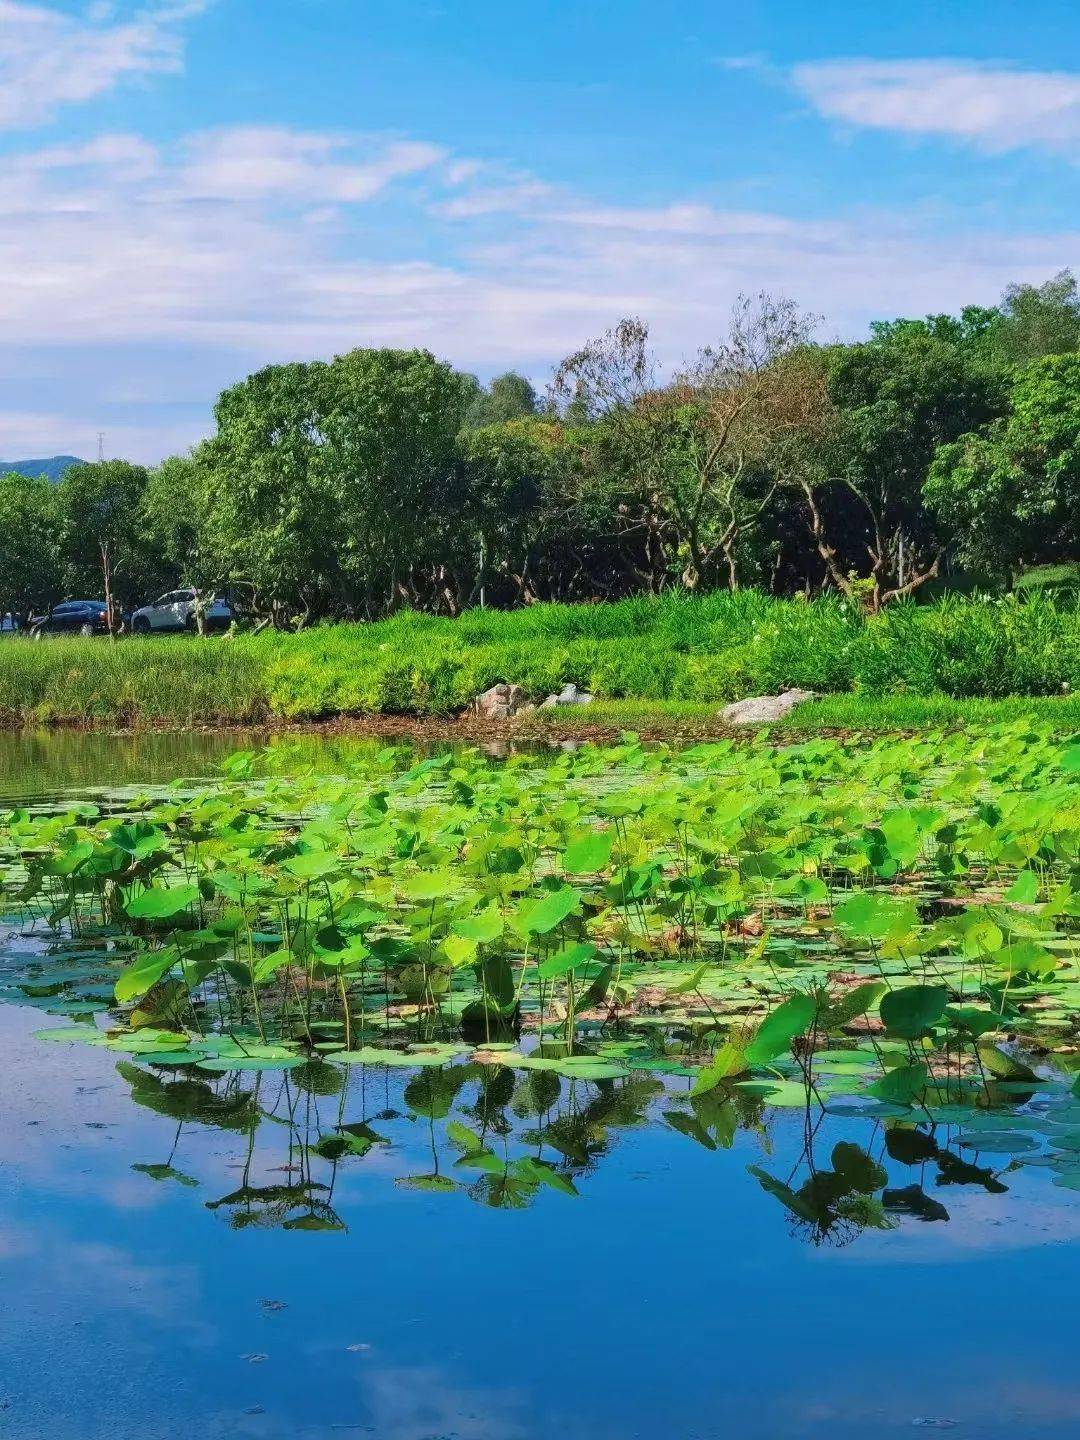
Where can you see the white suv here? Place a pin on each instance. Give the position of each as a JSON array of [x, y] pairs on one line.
[[176, 611]]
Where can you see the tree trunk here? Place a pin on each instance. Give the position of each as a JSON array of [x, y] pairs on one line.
[[106, 575]]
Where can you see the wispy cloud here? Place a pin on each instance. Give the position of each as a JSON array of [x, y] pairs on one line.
[[995, 107], [260, 162], [485, 189], [50, 58], [239, 247]]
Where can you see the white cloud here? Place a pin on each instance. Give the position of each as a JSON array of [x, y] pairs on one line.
[[121, 250], [26, 434], [49, 58], [996, 107], [489, 190], [126, 156], [702, 221], [257, 162]]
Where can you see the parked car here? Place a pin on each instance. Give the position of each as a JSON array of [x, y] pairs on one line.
[[73, 617], [176, 611]]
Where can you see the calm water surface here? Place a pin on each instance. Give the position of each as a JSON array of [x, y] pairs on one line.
[[39, 763], [163, 1276]]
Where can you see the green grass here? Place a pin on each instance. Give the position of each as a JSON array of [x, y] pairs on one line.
[[1049, 578], [678, 651], [180, 681], [853, 712], [926, 712]]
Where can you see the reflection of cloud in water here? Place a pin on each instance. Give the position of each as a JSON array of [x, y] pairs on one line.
[[88, 1277], [54, 1097], [984, 1400], [412, 1402], [417, 1403], [73, 1371], [15, 1246], [396, 1403], [978, 1224], [170, 1294]]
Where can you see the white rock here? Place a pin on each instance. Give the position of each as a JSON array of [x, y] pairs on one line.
[[761, 709], [568, 695]]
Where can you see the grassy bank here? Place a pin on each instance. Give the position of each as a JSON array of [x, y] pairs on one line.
[[926, 712], [132, 682], [689, 654], [687, 719]]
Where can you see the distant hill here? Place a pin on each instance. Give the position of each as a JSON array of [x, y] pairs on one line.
[[52, 468]]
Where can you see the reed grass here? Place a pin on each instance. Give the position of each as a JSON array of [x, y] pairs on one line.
[[679, 649]]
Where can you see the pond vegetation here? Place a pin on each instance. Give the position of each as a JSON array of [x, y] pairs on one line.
[[549, 949]]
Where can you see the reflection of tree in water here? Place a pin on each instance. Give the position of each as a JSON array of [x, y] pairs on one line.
[[299, 1202], [832, 1205], [501, 1138]]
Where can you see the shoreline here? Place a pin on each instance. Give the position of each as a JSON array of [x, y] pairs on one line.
[[418, 728], [604, 721]]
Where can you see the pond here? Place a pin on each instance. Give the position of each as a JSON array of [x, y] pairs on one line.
[[518, 1236]]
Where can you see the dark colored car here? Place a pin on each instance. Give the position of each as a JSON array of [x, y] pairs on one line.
[[73, 617]]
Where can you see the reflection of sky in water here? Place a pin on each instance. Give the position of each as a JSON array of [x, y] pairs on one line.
[[670, 1299]]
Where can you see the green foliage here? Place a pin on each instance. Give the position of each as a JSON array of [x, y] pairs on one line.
[[466, 921], [30, 560], [136, 681], [1037, 320], [1010, 494], [701, 650], [105, 545], [326, 483], [349, 488], [508, 397], [898, 398], [776, 1032]]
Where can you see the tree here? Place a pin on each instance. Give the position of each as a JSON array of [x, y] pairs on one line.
[[971, 327], [102, 534], [333, 487], [268, 517], [1031, 321], [1037, 320], [516, 507], [508, 397], [694, 457], [385, 477], [390, 461], [1009, 495], [174, 513], [897, 398], [30, 575]]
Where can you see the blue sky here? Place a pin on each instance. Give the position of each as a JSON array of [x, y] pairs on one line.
[[193, 188]]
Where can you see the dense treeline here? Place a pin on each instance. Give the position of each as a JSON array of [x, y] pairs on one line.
[[386, 479]]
